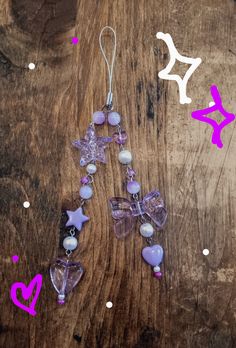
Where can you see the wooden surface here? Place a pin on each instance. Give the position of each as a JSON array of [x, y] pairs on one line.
[[43, 110]]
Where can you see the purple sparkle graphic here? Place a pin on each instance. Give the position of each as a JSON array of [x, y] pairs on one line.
[[74, 40], [217, 128]]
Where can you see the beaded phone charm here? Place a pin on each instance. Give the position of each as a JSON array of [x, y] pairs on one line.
[[64, 273]]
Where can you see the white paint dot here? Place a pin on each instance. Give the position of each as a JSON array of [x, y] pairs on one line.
[[26, 204], [109, 304], [31, 66], [205, 252], [211, 103]]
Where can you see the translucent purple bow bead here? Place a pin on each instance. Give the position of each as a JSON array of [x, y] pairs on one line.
[[124, 212]]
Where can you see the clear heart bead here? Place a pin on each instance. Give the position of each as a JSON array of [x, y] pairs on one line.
[[65, 275]]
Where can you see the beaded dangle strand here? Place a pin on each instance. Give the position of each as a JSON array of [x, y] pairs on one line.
[[66, 274], [151, 209]]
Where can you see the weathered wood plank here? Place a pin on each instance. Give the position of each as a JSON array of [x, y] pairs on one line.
[[44, 109]]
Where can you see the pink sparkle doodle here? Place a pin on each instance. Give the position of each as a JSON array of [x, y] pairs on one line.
[[27, 292], [217, 128], [74, 40], [15, 258]]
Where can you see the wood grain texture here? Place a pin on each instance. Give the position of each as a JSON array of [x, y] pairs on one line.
[[44, 109]]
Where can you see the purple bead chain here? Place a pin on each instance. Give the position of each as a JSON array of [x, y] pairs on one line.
[[151, 254]]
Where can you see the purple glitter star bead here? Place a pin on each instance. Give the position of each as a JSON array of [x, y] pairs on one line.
[[92, 148]]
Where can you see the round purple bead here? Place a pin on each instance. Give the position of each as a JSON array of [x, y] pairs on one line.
[[113, 118], [157, 275], [133, 187], [98, 117]]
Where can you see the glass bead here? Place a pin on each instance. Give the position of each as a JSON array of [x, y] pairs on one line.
[[98, 117], [120, 137], [113, 118], [133, 187], [86, 192]]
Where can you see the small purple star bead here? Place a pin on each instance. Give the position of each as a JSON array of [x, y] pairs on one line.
[[76, 218], [92, 148]]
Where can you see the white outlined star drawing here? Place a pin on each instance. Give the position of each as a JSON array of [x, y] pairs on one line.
[[174, 55]]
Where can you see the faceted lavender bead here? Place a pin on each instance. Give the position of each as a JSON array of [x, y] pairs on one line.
[[98, 117], [131, 172], [84, 180], [120, 138], [133, 187]]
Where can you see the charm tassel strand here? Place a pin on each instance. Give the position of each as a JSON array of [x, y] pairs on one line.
[[151, 209]]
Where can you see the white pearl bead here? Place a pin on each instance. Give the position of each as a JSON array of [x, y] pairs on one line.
[[146, 230], [70, 243], [125, 157], [156, 269], [86, 192], [61, 297], [91, 168]]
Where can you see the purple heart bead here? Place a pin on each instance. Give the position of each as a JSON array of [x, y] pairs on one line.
[[153, 254]]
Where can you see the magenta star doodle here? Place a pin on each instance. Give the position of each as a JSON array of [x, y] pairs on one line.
[[217, 128], [92, 148]]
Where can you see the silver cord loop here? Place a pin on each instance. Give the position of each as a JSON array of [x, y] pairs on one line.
[[109, 67]]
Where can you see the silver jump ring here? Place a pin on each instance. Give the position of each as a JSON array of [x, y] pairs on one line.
[[149, 241], [91, 178], [72, 232], [107, 108], [135, 197], [68, 252]]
